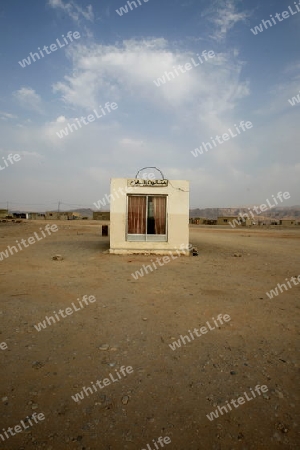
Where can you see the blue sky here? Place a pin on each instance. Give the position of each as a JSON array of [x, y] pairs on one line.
[[116, 59]]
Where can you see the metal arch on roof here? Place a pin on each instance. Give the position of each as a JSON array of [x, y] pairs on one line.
[[150, 167]]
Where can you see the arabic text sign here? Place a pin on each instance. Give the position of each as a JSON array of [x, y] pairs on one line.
[[137, 182]]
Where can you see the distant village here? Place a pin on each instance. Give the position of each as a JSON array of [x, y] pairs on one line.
[[234, 221], [278, 216], [5, 214], [88, 214]]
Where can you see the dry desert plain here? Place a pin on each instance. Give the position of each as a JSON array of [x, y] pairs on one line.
[[167, 393]]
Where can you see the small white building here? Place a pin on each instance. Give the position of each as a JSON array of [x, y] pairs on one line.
[[149, 216]]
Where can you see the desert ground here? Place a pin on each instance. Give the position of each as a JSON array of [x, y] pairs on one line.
[[168, 393]]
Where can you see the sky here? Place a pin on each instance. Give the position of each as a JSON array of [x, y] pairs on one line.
[[105, 56]]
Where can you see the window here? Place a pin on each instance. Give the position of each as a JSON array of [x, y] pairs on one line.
[[147, 218]]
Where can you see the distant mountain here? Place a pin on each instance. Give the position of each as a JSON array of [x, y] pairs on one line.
[[280, 212]]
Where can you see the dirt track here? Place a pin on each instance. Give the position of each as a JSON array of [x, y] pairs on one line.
[[169, 392]]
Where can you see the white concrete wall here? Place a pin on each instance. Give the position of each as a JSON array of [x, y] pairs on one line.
[[177, 217]]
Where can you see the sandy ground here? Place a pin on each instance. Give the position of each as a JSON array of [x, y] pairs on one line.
[[169, 393]]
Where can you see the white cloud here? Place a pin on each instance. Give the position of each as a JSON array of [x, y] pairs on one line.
[[6, 116], [31, 154], [80, 91], [29, 99], [61, 119], [128, 141], [156, 126], [119, 71], [224, 16], [73, 10]]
